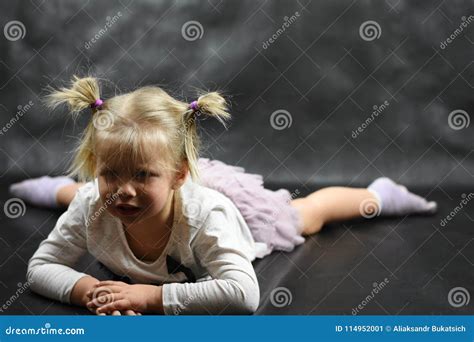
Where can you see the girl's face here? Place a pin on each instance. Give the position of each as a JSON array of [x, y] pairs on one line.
[[134, 198]]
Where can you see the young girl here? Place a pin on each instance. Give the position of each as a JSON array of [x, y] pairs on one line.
[[183, 229]]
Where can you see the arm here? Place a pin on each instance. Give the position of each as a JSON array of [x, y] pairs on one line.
[[234, 288], [50, 271]]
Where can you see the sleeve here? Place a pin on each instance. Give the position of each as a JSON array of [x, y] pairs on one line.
[[50, 271], [233, 288]]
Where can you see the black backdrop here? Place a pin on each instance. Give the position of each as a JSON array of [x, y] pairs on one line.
[[302, 78], [306, 62]]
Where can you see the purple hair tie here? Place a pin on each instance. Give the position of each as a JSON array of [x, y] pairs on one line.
[[97, 103], [194, 105]]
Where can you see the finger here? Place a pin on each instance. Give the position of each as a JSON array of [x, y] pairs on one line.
[[129, 313], [139, 313], [116, 313], [100, 313], [121, 304], [109, 282]]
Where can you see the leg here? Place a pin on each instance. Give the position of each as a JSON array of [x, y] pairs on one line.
[[46, 191], [66, 193], [382, 197], [334, 204]]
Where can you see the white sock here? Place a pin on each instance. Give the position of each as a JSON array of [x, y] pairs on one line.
[[395, 199], [40, 191]]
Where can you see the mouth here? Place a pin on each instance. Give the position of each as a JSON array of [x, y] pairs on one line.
[[127, 210]]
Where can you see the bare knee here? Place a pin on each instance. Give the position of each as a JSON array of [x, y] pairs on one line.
[[312, 216], [65, 194]]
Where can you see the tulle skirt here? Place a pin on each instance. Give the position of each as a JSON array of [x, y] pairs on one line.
[[269, 215]]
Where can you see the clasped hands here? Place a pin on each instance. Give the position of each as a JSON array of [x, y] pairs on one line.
[[118, 298]]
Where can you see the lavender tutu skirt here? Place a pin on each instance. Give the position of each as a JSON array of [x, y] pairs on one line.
[[269, 215]]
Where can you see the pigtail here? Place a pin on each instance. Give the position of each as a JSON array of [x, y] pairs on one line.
[[82, 94], [214, 105], [209, 104]]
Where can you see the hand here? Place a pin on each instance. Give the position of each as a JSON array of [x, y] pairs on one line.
[[111, 296]]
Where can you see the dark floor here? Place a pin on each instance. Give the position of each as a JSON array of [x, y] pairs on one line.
[[333, 272]]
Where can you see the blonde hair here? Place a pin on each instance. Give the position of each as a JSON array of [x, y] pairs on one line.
[[128, 129]]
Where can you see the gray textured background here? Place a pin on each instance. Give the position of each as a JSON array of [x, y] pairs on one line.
[[320, 70], [324, 75]]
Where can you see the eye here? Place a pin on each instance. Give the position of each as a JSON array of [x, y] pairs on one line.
[[108, 174], [144, 174]]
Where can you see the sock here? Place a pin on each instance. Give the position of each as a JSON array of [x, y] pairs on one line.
[[40, 191], [395, 199]]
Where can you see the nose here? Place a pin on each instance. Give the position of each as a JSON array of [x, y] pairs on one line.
[[126, 190]]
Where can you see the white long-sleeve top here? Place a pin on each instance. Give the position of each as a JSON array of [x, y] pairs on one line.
[[209, 237]]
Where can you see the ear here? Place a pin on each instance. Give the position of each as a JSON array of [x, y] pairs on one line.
[[181, 175]]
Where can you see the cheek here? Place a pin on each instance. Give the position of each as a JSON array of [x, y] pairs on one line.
[[156, 196], [106, 193], [157, 200]]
